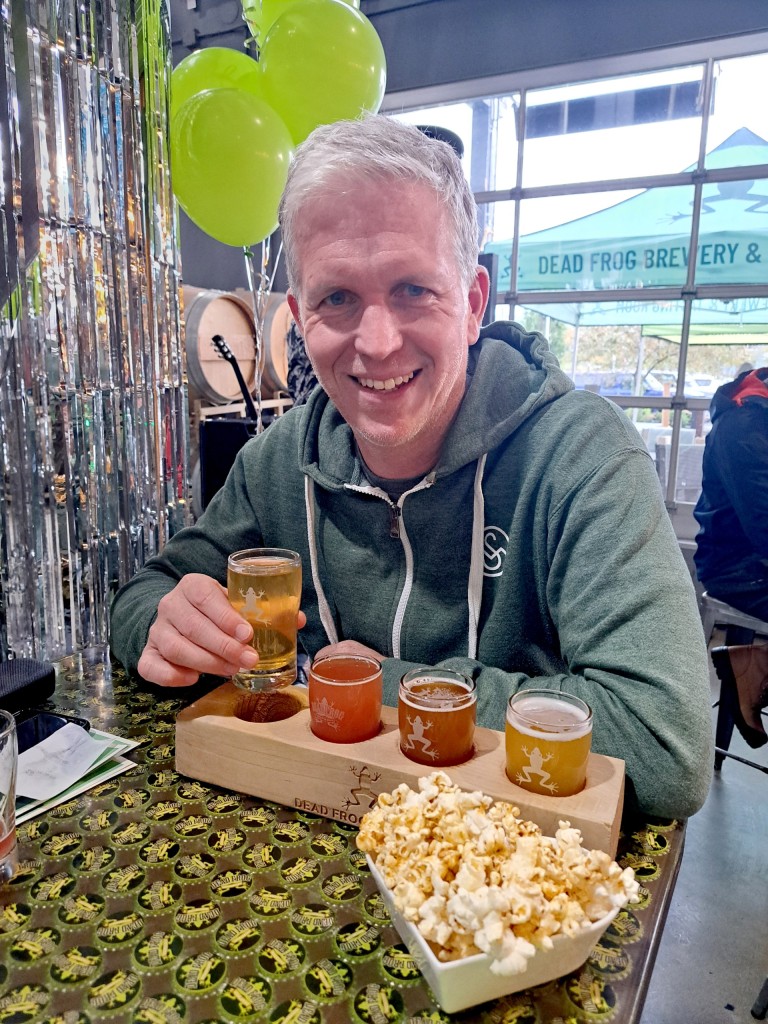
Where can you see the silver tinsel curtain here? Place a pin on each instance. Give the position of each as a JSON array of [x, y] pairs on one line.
[[93, 408]]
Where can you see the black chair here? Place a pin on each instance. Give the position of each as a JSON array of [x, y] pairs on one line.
[[740, 628]]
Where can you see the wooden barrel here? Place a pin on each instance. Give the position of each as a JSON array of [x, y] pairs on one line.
[[274, 360], [208, 312], [277, 322]]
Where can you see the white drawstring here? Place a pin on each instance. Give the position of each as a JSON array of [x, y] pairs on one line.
[[326, 618], [475, 585]]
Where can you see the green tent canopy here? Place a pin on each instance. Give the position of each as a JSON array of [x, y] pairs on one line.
[[644, 242]]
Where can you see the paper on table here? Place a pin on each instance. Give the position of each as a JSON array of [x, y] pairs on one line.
[[26, 809], [57, 762], [109, 763]]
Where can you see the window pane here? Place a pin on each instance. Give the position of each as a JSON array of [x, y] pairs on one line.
[[733, 243], [613, 351], [724, 334], [487, 130], [739, 112], [457, 117], [613, 128], [504, 162], [639, 243], [689, 455]]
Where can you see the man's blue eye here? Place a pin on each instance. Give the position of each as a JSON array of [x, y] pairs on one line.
[[414, 290], [336, 299]]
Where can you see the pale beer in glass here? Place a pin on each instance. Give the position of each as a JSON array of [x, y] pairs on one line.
[[548, 738], [436, 716], [264, 586]]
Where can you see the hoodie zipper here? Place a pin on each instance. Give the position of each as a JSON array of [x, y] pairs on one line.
[[394, 521], [398, 532]]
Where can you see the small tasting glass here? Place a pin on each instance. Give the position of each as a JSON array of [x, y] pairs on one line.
[[436, 715]]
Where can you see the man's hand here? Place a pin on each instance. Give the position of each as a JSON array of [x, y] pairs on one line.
[[349, 647], [197, 630]]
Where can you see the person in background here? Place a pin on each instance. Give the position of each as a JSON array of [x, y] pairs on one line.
[[732, 543], [454, 500], [301, 376]]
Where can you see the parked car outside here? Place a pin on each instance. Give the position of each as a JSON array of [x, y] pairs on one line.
[[666, 377], [701, 385], [614, 382]]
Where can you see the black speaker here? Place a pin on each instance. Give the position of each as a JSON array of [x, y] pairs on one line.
[[25, 683], [220, 441]]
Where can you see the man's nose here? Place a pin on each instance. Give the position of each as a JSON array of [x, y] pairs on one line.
[[378, 332]]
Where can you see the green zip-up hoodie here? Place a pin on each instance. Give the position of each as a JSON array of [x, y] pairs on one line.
[[537, 552]]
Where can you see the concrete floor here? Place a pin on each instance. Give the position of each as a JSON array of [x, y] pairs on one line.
[[713, 957]]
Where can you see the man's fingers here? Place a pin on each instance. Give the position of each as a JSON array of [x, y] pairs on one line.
[[200, 619], [204, 649], [209, 598], [156, 669]]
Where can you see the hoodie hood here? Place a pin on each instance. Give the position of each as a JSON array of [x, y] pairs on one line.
[[747, 387], [511, 374]]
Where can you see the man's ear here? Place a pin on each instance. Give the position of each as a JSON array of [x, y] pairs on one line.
[[478, 300], [293, 305]]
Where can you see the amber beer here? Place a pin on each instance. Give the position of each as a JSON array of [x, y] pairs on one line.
[[345, 693], [548, 737], [436, 715], [264, 586]]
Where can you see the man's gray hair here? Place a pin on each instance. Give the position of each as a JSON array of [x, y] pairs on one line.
[[379, 148]]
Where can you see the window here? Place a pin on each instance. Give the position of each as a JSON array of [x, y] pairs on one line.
[[628, 216]]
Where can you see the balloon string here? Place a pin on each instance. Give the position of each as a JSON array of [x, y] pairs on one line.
[[260, 285], [277, 263]]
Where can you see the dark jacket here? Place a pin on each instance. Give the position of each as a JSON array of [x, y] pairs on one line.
[[732, 512]]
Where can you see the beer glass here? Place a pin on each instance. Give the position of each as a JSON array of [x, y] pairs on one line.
[[9, 758], [264, 586], [436, 715], [345, 693], [548, 736]]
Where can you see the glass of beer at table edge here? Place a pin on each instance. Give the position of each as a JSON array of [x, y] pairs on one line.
[[9, 759], [436, 711], [548, 737], [264, 586]]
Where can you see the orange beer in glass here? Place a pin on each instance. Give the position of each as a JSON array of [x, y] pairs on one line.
[[436, 715], [345, 692], [548, 736]]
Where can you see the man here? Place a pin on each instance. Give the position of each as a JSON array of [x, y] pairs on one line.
[[732, 542], [454, 500]]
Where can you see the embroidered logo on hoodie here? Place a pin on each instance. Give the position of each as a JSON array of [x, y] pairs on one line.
[[495, 542]]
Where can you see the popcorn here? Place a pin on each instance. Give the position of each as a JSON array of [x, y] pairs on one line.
[[475, 878]]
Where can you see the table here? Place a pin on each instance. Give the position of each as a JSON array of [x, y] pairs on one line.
[[155, 898]]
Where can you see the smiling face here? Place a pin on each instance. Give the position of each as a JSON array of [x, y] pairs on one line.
[[386, 316]]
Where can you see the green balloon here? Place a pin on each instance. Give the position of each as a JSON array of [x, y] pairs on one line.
[[214, 67], [272, 9], [229, 160], [321, 61]]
